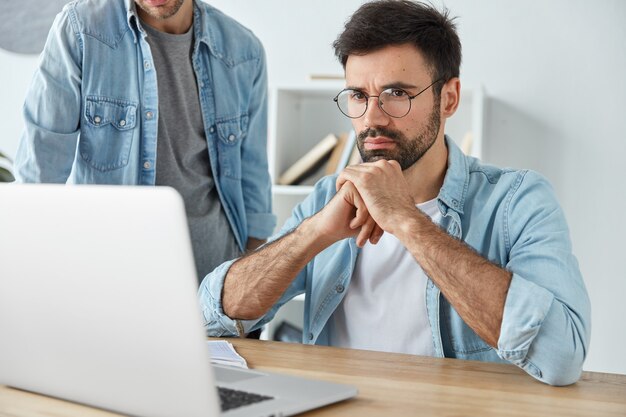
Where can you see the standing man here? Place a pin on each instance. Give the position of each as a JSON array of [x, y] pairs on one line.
[[157, 92], [421, 249]]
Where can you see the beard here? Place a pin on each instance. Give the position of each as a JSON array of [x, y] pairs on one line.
[[163, 12], [407, 151]]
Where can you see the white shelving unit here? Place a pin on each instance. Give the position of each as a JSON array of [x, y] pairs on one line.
[[300, 116]]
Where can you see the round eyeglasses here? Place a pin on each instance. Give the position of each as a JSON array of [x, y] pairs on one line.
[[394, 101]]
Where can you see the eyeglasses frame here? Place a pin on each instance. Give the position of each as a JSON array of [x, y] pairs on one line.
[[411, 97]]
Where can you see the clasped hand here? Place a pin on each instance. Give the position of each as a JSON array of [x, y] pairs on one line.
[[372, 198]]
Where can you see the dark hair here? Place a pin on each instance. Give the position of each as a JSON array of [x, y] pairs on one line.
[[382, 23]]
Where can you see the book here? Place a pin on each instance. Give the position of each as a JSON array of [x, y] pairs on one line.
[[355, 156], [348, 149], [336, 154], [309, 162]]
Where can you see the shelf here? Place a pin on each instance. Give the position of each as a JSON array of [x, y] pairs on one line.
[[299, 118], [300, 190]]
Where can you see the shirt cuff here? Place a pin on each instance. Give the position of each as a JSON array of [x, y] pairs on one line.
[[216, 322], [526, 307]]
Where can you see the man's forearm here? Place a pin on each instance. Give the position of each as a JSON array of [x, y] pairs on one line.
[[256, 281], [474, 286]]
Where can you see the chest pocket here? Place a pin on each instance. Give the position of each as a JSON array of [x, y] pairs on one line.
[[107, 132], [231, 133]]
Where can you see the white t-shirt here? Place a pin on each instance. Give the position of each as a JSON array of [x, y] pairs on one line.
[[384, 308]]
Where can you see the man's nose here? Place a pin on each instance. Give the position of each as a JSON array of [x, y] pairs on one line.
[[374, 114]]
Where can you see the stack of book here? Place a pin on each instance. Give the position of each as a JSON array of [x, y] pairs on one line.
[[329, 156]]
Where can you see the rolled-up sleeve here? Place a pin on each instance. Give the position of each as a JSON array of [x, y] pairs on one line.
[[547, 315], [216, 322]]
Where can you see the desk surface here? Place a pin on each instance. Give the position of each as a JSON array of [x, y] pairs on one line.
[[396, 385]]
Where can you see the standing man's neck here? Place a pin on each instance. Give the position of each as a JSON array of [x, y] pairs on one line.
[[177, 24]]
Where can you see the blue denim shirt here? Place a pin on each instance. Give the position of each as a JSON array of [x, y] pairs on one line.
[[512, 218], [92, 109]]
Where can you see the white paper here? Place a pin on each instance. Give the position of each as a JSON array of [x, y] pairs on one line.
[[223, 353]]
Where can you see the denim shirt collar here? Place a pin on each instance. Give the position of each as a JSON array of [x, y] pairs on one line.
[[207, 31], [132, 19], [455, 184], [199, 16]]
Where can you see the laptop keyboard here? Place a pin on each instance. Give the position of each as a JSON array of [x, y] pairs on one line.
[[230, 398]]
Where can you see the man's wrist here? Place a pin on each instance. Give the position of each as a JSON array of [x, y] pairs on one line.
[[411, 226], [311, 232]]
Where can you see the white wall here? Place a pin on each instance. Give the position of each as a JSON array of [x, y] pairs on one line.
[[15, 75], [554, 71]]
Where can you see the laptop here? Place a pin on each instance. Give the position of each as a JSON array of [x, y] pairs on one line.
[[98, 306]]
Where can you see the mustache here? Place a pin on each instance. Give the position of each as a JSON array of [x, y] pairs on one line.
[[372, 132]]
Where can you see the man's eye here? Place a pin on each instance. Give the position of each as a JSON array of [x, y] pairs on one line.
[[396, 92], [357, 95]]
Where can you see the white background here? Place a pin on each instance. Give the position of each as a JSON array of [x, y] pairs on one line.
[[554, 72]]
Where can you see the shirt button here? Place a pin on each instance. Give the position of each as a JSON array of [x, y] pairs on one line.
[[339, 288], [149, 115], [147, 165], [97, 120], [122, 122], [310, 336], [146, 65], [231, 137], [212, 129]]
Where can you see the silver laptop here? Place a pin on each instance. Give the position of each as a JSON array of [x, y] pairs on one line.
[[98, 306]]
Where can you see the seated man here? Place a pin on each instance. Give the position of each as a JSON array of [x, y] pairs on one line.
[[420, 249]]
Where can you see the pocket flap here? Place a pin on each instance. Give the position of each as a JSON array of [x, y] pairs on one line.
[[101, 111], [232, 131]]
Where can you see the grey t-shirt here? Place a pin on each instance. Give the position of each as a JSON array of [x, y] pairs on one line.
[[182, 153]]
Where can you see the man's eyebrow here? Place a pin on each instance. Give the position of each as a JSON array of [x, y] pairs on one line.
[[395, 84], [399, 84]]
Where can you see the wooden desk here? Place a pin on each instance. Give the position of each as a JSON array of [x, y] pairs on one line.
[[396, 385]]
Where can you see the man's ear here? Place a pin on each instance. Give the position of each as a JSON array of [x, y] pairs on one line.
[[450, 97]]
